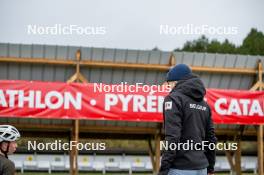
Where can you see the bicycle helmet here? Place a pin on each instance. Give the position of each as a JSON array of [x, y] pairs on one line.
[[8, 133]]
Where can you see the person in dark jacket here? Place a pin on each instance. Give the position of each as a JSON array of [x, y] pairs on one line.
[[187, 119], [8, 136]]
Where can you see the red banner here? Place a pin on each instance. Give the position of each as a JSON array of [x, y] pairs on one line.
[[117, 102]]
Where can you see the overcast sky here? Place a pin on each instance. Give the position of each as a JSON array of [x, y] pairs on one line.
[[129, 24]]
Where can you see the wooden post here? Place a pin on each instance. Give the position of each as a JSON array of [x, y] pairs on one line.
[[238, 158], [230, 160], [71, 155], [78, 58], [78, 75], [260, 72], [260, 128], [172, 60], [151, 154], [75, 129], [157, 153], [260, 149], [74, 151]]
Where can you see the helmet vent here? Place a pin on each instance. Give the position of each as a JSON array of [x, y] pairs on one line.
[[7, 135]]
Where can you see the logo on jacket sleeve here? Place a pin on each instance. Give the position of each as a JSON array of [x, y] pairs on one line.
[[168, 105], [199, 107]]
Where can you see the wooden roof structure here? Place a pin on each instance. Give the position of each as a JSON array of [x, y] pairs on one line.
[[78, 64]]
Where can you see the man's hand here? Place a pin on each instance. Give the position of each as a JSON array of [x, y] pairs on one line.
[[210, 173]]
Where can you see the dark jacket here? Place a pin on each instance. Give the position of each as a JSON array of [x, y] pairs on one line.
[[187, 117], [7, 167]]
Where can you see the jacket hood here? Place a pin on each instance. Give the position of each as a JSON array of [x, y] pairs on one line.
[[192, 86]]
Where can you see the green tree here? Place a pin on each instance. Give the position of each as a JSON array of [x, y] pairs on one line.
[[253, 44], [156, 49], [199, 45], [214, 46], [227, 47]]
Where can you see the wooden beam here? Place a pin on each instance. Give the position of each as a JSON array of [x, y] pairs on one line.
[[166, 67], [82, 78], [262, 86], [118, 129], [115, 129], [72, 78], [120, 65], [223, 70], [247, 132], [45, 134], [255, 86], [86, 128], [51, 127], [45, 61], [113, 136]]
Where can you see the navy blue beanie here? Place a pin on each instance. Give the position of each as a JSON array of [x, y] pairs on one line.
[[179, 72]]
